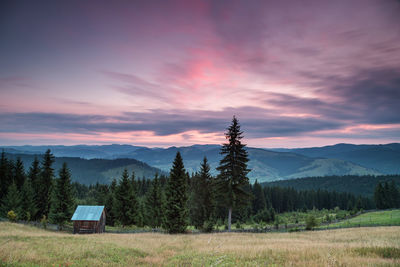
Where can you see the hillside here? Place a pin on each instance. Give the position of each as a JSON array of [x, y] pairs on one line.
[[265, 165], [94, 170], [358, 185], [382, 158]]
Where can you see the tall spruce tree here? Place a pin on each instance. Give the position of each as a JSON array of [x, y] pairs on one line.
[[176, 198], [45, 184], [379, 196], [34, 177], [203, 203], [19, 173], [28, 205], [394, 192], [232, 179], [154, 204], [62, 201], [123, 201], [259, 203], [5, 175], [133, 204], [110, 203]]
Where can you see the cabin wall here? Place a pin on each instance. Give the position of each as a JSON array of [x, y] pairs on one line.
[[85, 227]]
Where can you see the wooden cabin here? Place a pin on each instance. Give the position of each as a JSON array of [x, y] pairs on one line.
[[89, 219]]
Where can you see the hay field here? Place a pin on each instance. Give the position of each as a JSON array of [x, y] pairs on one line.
[[22, 245]]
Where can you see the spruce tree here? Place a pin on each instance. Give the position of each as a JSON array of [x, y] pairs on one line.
[[154, 204], [388, 201], [12, 201], [19, 173], [394, 192], [45, 184], [34, 177], [5, 175], [259, 203], [176, 198], [28, 206], [62, 201], [379, 196], [203, 203], [110, 203], [133, 204], [232, 179], [123, 198]]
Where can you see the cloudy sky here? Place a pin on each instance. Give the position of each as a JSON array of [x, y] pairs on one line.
[[162, 73]]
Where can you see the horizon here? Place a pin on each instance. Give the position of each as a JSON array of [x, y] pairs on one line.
[[157, 74], [167, 147]]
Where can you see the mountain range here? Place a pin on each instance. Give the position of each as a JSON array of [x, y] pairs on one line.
[[265, 164], [91, 171]]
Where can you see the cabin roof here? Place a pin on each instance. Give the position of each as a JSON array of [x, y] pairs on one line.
[[87, 213]]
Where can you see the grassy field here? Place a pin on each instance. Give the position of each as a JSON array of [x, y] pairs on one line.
[[387, 217], [22, 245]]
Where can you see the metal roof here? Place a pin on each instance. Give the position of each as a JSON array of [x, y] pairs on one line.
[[87, 213]]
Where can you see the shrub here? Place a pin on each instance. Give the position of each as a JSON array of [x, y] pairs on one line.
[[208, 226], [238, 225], [12, 216], [28, 216], [328, 218], [43, 221], [311, 222], [277, 222], [263, 216], [291, 230]]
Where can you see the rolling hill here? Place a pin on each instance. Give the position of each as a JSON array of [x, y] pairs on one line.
[[382, 158], [90, 171], [266, 165]]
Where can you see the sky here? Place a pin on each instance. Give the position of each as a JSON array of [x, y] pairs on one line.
[[174, 73]]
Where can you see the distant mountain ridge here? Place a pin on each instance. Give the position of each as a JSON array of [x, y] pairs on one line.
[[266, 165], [382, 158], [91, 171]]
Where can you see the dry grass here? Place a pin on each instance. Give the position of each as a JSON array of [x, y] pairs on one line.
[[24, 245]]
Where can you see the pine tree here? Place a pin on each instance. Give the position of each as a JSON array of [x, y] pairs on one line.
[[379, 196], [259, 203], [110, 203], [133, 205], [28, 206], [45, 185], [19, 173], [232, 178], [387, 197], [154, 204], [62, 201], [203, 203], [176, 198], [12, 201], [34, 177], [123, 197], [395, 194], [5, 175]]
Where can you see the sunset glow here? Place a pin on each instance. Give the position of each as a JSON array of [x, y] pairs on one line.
[[296, 74]]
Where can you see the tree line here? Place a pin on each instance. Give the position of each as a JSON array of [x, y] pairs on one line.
[[387, 195], [38, 194]]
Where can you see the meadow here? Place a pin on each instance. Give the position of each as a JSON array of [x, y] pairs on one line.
[[387, 217], [22, 245]]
